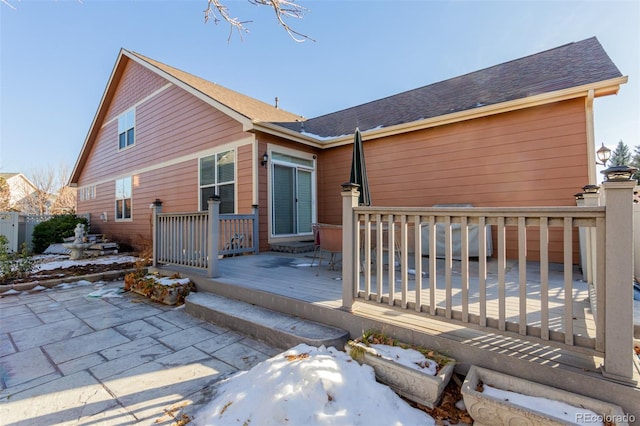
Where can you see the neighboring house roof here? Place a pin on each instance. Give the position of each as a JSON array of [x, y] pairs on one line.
[[572, 65], [19, 185], [7, 176]]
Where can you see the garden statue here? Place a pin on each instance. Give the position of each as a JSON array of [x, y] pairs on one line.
[[78, 246], [79, 233]]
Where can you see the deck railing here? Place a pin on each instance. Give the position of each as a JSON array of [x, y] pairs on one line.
[[384, 262], [187, 239]]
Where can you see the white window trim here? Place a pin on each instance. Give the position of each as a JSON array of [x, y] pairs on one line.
[[86, 193], [133, 126], [116, 199], [235, 177], [314, 185]]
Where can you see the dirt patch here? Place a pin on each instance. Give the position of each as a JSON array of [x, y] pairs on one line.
[[74, 270]]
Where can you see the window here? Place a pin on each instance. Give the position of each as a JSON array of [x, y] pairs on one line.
[[126, 125], [87, 193], [123, 198], [217, 176]]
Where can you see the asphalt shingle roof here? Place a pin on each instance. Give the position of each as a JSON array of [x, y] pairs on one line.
[[571, 65], [247, 106]]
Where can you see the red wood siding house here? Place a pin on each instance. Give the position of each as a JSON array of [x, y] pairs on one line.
[[516, 134]]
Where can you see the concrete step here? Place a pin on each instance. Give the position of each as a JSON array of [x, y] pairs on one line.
[[277, 329]]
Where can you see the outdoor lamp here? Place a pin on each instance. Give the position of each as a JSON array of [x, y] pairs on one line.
[[603, 154], [265, 158], [591, 189], [619, 173]]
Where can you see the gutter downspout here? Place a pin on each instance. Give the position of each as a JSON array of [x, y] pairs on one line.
[[591, 144]]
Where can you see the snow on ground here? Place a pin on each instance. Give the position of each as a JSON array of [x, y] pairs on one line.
[[557, 409], [308, 386], [48, 262], [407, 357], [323, 386]]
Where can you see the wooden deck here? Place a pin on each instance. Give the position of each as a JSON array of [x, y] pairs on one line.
[[292, 275], [288, 283]]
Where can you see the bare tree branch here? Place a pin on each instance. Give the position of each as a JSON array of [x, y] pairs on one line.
[[49, 193], [5, 195], [283, 10], [218, 12], [8, 4], [38, 200]]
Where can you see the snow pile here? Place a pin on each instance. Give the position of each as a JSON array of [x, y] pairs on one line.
[[557, 409], [169, 281], [407, 357], [308, 386], [56, 262]]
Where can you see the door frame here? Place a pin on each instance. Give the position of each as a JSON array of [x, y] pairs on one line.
[[271, 149]]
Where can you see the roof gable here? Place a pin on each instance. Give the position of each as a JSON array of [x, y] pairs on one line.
[[240, 107], [572, 65], [248, 107], [15, 178]]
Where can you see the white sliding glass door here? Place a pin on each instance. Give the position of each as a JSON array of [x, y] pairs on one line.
[[292, 195]]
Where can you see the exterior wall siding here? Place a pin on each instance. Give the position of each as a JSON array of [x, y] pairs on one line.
[[244, 179], [135, 84], [173, 129], [532, 157]]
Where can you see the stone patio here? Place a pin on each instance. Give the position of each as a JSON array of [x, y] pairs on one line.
[[66, 358]]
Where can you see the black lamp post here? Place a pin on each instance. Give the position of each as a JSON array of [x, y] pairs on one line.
[[603, 153]]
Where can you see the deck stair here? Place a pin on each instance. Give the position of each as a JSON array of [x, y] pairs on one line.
[[275, 328]]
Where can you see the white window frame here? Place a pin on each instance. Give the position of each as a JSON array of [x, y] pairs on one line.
[[217, 184], [274, 151], [126, 123], [87, 193], [123, 192]]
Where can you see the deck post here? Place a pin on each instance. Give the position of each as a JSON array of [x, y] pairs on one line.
[[256, 229], [350, 196], [590, 198], [213, 236], [156, 207], [618, 359], [593, 260]]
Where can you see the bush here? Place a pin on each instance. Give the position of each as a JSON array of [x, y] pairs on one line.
[[13, 265], [55, 230]]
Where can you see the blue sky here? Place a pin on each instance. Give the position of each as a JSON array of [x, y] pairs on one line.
[[56, 57]]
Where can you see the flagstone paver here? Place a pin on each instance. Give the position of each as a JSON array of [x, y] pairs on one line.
[[138, 329], [187, 337], [6, 346], [66, 358], [82, 363], [55, 316], [51, 403], [23, 366], [240, 356], [49, 333], [76, 347], [122, 316], [19, 322]]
